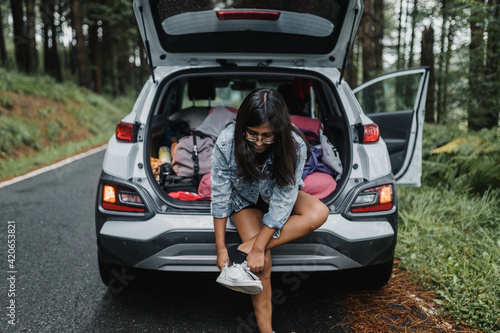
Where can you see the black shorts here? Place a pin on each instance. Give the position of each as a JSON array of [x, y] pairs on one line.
[[260, 205]]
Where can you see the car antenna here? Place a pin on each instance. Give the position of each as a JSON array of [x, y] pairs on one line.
[[148, 48], [348, 48]]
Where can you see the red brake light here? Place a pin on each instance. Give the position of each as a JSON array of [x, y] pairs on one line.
[[122, 199], [125, 132], [375, 199], [371, 133], [225, 15]]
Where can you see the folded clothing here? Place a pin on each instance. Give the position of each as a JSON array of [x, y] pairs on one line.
[[185, 196]]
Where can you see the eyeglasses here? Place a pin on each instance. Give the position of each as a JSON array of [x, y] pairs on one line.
[[267, 140]]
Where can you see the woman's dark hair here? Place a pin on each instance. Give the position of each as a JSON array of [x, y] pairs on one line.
[[266, 106]]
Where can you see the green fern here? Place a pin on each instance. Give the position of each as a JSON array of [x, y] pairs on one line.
[[470, 162]]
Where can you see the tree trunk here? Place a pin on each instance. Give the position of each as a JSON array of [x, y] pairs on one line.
[[379, 24], [51, 62], [441, 81], [492, 75], [447, 62], [367, 38], [80, 49], [427, 59], [123, 70], [32, 58], [476, 74], [108, 57], [414, 15], [371, 39], [95, 56], [20, 39], [3, 50], [399, 53]]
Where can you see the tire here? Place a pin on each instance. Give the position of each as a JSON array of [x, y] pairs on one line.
[[376, 276], [116, 277], [368, 278]]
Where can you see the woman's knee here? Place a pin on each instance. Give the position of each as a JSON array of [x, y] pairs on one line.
[[318, 214], [322, 212]]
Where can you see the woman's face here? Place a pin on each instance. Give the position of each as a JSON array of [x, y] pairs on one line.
[[260, 137]]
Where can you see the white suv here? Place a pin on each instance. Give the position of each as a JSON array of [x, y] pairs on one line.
[[209, 53]]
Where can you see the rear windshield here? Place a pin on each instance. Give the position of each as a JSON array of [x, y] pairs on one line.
[[294, 16], [264, 21]]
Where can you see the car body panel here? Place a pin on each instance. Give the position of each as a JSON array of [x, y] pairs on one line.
[[185, 223], [191, 248]]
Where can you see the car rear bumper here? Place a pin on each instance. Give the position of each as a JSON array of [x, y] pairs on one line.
[[186, 243]]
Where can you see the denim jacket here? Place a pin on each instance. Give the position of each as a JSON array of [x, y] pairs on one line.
[[231, 192]]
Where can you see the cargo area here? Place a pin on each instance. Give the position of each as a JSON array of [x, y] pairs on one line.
[[192, 110]]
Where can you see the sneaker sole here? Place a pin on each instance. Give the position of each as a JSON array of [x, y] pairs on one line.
[[252, 288]]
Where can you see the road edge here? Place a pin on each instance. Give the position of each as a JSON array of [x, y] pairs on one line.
[[53, 166]]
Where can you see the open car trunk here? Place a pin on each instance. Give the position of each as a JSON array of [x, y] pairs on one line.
[[187, 103]]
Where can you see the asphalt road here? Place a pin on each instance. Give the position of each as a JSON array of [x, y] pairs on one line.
[[53, 284]]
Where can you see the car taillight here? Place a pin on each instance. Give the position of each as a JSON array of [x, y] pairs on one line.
[[125, 132], [371, 133], [225, 15], [119, 198], [375, 199]]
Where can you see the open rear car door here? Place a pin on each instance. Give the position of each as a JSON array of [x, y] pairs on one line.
[[396, 103]]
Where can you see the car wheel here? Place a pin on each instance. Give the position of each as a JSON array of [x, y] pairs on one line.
[[376, 276], [368, 278], [116, 277]]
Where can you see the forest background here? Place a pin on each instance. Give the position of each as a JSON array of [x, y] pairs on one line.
[[96, 43], [70, 69]]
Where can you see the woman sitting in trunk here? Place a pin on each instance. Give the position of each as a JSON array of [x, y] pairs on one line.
[[256, 180]]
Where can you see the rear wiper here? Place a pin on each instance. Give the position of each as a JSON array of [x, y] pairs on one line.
[[225, 63]]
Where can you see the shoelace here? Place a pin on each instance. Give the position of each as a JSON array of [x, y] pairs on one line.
[[246, 270]]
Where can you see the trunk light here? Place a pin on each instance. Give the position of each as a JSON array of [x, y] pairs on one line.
[[225, 15], [125, 132], [371, 133], [375, 199]]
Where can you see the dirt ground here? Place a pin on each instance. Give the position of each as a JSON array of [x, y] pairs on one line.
[[401, 306]]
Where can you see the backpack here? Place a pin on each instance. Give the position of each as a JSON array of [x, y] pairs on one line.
[[193, 155]]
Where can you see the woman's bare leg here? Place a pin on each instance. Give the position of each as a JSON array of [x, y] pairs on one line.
[[308, 214], [249, 223]]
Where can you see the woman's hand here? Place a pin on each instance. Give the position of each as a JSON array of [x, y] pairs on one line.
[[255, 261], [222, 258]]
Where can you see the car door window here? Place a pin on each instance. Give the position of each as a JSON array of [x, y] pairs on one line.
[[390, 95], [395, 102]]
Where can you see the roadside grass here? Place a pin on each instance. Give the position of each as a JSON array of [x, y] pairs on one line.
[[449, 229], [43, 121]]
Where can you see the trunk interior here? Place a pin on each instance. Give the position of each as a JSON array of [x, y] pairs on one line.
[[202, 104]]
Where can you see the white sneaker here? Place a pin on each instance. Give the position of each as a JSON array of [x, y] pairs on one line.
[[239, 278]]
